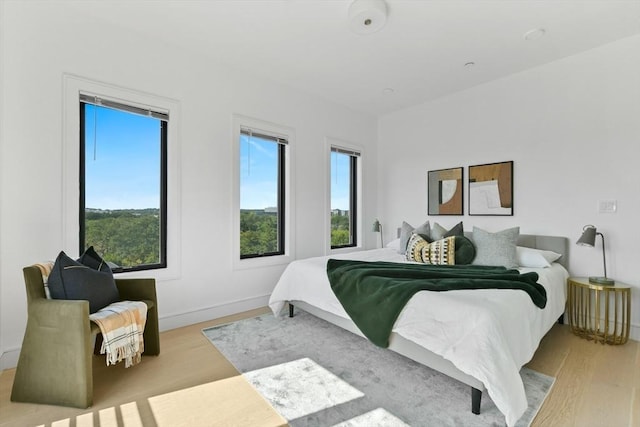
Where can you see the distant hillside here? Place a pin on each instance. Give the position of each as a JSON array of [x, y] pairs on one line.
[[101, 213], [126, 237]]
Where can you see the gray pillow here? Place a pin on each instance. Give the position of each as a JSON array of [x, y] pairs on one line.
[[496, 248], [439, 232], [424, 231], [405, 234]]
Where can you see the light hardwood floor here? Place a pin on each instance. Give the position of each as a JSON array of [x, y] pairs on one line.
[[596, 385]]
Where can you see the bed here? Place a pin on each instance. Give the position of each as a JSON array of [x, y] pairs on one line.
[[484, 348]]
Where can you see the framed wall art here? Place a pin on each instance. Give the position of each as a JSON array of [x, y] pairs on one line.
[[445, 188], [491, 189]]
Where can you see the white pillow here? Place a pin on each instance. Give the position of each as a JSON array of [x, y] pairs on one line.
[[536, 258], [394, 244]]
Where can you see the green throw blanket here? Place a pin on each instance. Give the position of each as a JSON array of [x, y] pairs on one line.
[[374, 293]]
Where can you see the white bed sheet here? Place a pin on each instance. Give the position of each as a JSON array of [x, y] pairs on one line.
[[488, 334]]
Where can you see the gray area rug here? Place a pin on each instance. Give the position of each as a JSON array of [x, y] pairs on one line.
[[317, 374]]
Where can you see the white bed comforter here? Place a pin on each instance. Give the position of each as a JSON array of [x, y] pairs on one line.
[[488, 334]]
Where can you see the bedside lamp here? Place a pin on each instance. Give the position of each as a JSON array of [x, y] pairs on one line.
[[588, 238], [377, 227]]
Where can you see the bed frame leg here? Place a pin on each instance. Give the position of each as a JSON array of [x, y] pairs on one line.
[[290, 310], [476, 397]]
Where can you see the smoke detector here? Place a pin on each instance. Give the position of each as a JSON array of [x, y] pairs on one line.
[[367, 16]]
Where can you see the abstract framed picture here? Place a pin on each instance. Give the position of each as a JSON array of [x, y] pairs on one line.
[[491, 189], [445, 188]]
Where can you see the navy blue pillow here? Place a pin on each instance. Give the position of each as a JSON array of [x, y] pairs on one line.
[[90, 258], [72, 280]]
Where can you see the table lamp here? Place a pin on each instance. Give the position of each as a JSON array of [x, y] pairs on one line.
[[588, 238], [377, 227]]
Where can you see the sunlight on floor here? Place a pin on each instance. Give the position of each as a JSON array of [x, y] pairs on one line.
[[301, 387], [231, 401], [295, 389], [377, 417], [107, 417]]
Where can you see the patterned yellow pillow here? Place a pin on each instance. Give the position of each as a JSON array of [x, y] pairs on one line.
[[441, 252]]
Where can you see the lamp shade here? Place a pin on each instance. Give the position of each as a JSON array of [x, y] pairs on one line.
[[588, 237]]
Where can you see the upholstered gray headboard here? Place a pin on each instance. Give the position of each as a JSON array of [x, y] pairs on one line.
[[557, 244]]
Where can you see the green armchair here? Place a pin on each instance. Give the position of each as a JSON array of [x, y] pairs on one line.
[[55, 364]]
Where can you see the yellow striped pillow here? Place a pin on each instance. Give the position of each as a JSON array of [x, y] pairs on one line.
[[440, 252]]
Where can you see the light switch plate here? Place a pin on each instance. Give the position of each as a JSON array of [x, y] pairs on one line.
[[607, 206]]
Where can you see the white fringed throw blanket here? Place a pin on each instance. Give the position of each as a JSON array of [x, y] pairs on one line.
[[122, 324]]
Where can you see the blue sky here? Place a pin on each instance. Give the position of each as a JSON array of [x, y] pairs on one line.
[[340, 166], [125, 171], [259, 175]]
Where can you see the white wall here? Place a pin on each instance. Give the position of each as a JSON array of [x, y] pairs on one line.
[[40, 44], [552, 121], [572, 128]]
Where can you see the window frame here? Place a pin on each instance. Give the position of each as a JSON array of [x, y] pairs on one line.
[[72, 86], [353, 196], [287, 196], [281, 192], [130, 109], [357, 174]]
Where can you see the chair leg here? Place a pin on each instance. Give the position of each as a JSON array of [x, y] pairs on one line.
[[55, 363], [152, 333]]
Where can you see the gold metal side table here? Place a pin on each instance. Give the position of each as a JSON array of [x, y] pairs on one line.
[[599, 312]]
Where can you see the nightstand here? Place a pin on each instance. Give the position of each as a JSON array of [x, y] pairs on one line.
[[599, 312]]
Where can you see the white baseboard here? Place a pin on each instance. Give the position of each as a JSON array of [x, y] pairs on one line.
[[634, 332], [9, 358], [179, 320]]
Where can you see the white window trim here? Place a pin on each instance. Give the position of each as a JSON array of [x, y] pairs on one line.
[[338, 143], [240, 121], [72, 86]]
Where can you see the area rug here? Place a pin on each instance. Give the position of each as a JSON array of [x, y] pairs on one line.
[[317, 374]]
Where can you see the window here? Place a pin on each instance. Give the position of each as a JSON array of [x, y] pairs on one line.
[[123, 183], [262, 194], [263, 197], [344, 197]]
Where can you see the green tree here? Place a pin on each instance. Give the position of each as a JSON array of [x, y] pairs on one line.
[[258, 232], [340, 230], [127, 238], [340, 237]]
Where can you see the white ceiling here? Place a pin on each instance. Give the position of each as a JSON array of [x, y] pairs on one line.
[[420, 53]]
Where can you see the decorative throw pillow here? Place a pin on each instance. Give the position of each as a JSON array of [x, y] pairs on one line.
[[441, 252], [71, 280], [535, 258], [424, 230], [439, 232], [405, 234], [394, 244], [465, 250], [496, 249], [90, 258]]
